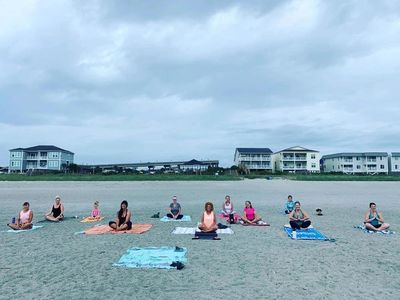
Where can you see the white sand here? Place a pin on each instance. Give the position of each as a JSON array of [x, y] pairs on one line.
[[262, 263]]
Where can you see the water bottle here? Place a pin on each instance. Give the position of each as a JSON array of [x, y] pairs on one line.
[[13, 220], [294, 234]]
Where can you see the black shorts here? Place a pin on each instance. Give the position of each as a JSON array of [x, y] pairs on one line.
[[129, 223]]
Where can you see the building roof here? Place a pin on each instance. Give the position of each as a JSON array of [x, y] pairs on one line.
[[42, 148], [193, 162], [297, 149], [254, 150], [395, 153], [352, 154]]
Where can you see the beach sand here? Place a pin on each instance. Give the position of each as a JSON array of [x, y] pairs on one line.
[[253, 263]]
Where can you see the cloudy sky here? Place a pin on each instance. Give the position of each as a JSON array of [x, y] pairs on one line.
[[129, 81]]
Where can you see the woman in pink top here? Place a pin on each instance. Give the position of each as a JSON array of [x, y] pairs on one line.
[[250, 216], [24, 218], [208, 219]]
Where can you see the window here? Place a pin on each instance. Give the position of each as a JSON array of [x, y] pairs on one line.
[[312, 156], [358, 158], [313, 165], [53, 164], [380, 157], [395, 166], [358, 167], [382, 167], [333, 167]]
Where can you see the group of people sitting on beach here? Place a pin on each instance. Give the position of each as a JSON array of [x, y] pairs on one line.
[[298, 218]]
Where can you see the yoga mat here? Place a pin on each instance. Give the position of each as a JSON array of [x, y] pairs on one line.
[[362, 227], [306, 234], [235, 216], [255, 225], [193, 230], [91, 220], [25, 230], [206, 235], [105, 229], [185, 218], [65, 219], [152, 257]]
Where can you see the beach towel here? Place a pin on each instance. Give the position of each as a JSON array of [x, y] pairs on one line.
[[306, 234], [362, 227], [91, 219], [65, 219], [105, 229], [185, 218], [25, 230], [152, 257], [236, 217], [261, 223], [193, 230]]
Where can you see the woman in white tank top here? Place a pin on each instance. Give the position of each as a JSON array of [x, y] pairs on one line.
[[227, 207], [24, 219]]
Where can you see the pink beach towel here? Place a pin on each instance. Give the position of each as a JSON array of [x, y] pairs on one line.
[[236, 216]]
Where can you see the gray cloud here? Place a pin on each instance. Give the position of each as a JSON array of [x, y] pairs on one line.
[[134, 81]]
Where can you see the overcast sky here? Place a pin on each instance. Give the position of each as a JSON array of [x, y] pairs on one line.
[[129, 81]]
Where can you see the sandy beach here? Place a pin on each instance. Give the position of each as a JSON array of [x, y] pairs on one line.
[[253, 263]]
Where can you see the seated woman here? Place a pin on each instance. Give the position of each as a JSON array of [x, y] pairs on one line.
[[123, 220], [289, 205], [298, 218], [175, 210], [250, 216], [24, 218], [208, 222], [57, 211], [374, 220]]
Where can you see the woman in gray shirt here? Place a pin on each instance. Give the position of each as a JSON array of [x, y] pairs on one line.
[[175, 211]]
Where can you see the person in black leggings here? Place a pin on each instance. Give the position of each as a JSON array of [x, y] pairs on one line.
[[123, 219], [298, 218]]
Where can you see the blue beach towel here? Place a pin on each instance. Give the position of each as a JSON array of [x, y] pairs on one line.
[[26, 230], [152, 257], [362, 227], [308, 234], [185, 218]]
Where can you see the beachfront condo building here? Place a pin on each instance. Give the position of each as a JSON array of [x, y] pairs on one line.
[[297, 160], [357, 163], [42, 157], [254, 159], [394, 163]]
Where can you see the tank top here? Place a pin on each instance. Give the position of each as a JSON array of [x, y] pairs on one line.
[[96, 212], [208, 218], [299, 215], [228, 208], [56, 211], [122, 219], [24, 216], [250, 213], [375, 221]]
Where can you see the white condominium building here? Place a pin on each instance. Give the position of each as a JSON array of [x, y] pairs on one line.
[[394, 165], [254, 159], [366, 162], [297, 159]]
